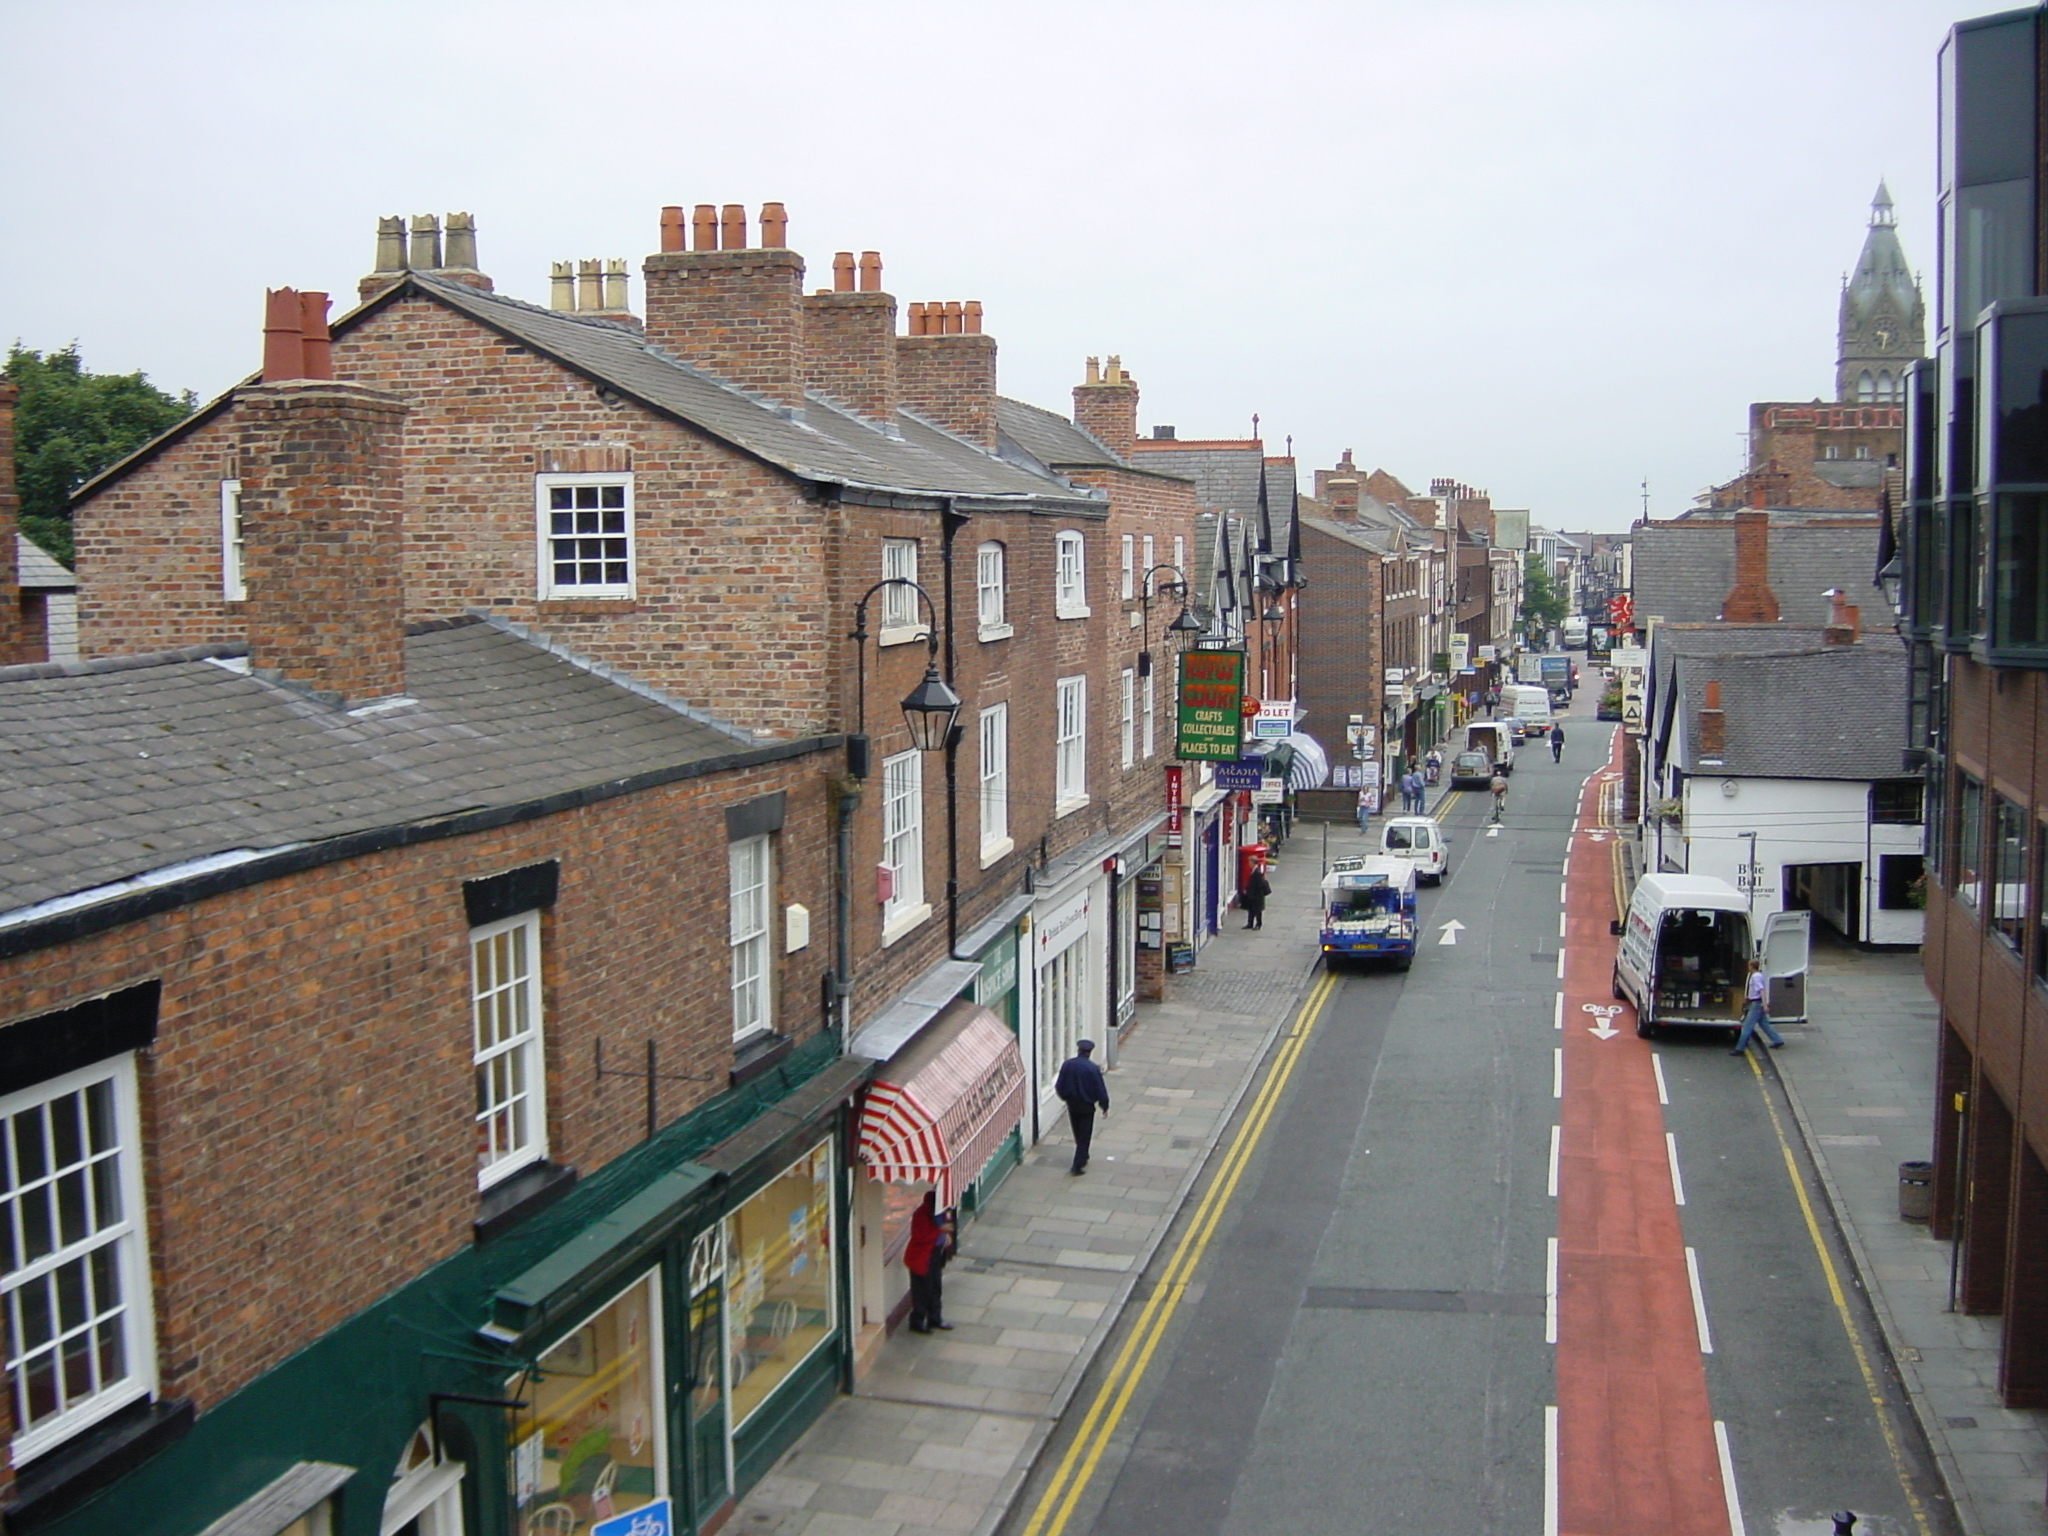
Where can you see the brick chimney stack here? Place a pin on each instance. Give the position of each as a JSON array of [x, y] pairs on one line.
[[1751, 600], [733, 310], [1845, 619], [850, 339], [946, 369], [1713, 734], [14, 631], [321, 518], [422, 250], [1106, 403]]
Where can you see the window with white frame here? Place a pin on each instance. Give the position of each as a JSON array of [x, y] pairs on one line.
[[752, 865], [1070, 744], [1129, 590], [1148, 560], [74, 1261], [1070, 592], [1128, 726], [900, 617], [990, 601], [1180, 554], [233, 587], [903, 835], [505, 997], [1151, 714], [995, 779], [586, 535]]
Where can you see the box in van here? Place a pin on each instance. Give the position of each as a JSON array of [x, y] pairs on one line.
[[1685, 950], [1529, 704]]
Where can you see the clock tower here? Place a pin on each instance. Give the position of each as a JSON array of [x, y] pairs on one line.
[[1883, 325]]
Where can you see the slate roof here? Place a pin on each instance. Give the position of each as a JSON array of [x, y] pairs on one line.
[[1226, 478], [822, 443], [1050, 439], [1376, 540], [1683, 570], [1834, 713], [110, 770]]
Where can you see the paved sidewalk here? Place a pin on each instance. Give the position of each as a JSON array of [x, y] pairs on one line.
[[1861, 1076], [942, 1432]]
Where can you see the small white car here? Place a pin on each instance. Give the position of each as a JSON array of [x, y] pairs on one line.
[[1421, 842]]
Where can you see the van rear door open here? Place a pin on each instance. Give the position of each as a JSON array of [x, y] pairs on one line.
[[1787, 952]]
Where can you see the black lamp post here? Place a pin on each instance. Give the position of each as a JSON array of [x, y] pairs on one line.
[[1184, 623], [929, 709]]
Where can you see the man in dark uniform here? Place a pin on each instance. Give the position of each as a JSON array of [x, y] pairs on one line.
[[1082, 1090]]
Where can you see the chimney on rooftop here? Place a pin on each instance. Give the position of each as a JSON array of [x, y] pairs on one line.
[[1106, 403], [423, 251], [1845, 619], [1713, 732], [321, 529], [850, 339], [735, 312], [946, 369], [1751, 600], [295, 340]]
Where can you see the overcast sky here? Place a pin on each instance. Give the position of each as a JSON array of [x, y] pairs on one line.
[[1548, 248]]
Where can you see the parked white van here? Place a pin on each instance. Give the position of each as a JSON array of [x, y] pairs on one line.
[[1528, 703], [1421, 842], [1685, 952]]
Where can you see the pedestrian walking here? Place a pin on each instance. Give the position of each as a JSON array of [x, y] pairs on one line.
[[1082, 1090], [1754, 1017], [1500, 796], [1557, 743], [1253, 897], [925, 1255], [1492, 701], [1415, 791]]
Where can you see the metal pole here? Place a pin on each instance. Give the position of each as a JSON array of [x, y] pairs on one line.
[[1959, 1202]]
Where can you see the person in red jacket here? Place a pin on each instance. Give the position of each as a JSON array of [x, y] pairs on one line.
[[931, 1244]]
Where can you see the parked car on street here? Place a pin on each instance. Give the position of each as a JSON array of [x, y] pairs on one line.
[[1471, 769]]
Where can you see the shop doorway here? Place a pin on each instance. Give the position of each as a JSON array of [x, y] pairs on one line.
[[1831, 892]]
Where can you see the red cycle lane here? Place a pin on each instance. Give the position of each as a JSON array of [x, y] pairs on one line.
[[1635, 1438]]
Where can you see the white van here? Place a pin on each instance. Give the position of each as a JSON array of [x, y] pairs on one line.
[[1421, 842], [1685, 953], [1528, 703]]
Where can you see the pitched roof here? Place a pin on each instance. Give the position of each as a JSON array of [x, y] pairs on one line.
[[1837, 712], [1050, 439], [115, 770], [1226, 475], [822, 443], [1683, 569]]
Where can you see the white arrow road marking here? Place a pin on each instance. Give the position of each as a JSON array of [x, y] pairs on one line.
[[1602, 1012], [1598, 837], [1451, 931], [1493, 831]]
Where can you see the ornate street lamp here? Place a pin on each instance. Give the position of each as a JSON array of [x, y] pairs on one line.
[[1184, 624], [929, 709]]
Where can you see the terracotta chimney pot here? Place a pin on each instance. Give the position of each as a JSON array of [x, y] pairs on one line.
[[732, 227], [284, 336], [870, 271], [704, 228], [672, 228], [774, 227], [316, 348], [842, 272], [970, 313]]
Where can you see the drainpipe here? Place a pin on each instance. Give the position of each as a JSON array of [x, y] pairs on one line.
[[950, 523], [846, 789]]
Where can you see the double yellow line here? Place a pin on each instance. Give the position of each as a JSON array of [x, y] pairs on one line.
[[1070, 1480], [1880, 1407]]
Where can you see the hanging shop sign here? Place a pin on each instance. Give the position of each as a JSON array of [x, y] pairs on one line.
[[1210, 703], [1176, 805], [1243, 774], [1461, 653]]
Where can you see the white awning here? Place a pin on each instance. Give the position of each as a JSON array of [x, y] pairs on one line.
[[937, 1111]]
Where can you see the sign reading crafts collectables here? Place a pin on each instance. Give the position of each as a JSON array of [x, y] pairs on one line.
[[1211, 698]]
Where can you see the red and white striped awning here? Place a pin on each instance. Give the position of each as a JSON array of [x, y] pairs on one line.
[[939, 1108]]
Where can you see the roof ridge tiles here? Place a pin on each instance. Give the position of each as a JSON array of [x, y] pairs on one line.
[[28, 671]]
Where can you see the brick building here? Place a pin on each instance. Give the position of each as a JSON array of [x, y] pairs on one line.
[[1970, 553], [689, 511]]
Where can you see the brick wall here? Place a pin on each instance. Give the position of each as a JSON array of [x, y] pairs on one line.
[[730, 612], [736, 314], [309, 1102], [1341, 662], [850, 351], [951, 381]]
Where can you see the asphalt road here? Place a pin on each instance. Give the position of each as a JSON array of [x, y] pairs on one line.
[[1363, 1348]]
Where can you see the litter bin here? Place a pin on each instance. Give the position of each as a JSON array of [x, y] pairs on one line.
[[1916, 1191]]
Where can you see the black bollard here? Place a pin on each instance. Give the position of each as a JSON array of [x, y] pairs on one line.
[[1845, 1522]]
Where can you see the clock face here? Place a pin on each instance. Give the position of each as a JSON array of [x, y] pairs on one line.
[[1884, 336]]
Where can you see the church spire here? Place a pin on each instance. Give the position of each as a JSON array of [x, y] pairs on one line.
[[1883, 325]]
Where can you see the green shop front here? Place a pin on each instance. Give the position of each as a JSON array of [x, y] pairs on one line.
[[661, 1333]]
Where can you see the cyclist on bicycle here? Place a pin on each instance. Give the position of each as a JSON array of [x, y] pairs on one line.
[[1500, 795]]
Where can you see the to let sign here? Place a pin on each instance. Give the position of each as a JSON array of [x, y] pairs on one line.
[[1211, 696]]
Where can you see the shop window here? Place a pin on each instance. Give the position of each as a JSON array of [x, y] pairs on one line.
[[2010, 901], [591, 1443], [1966, 863], [505, 998], [1062, 1008], [779, 1280], [425, 1497]]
